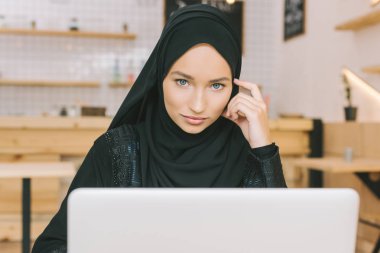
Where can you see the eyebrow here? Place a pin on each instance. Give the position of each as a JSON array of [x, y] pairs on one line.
[[192, 78]]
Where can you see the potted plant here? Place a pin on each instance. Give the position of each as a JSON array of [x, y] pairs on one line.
[[349, 110]]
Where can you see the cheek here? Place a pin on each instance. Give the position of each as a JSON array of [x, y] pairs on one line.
[[172, 101], [171, 98], [219, 103]]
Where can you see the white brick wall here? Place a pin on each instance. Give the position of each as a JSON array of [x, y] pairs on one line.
[[51, 58], [311, 64]]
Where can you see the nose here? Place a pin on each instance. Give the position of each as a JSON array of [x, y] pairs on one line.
[[198, 101]]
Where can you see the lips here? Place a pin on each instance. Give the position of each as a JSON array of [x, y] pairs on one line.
[[194, 120]]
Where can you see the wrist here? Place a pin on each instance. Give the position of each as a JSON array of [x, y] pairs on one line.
[[257, 144]]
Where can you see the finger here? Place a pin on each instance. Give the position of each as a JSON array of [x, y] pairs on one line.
[[237, 99], [254, 88], [235, 112], [251, 99], [225, 114], [248, 100], [243, 110], [229, 115]]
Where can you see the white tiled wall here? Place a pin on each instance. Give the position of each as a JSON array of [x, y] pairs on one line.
[[312, 63], [260, 61], [53, 58]]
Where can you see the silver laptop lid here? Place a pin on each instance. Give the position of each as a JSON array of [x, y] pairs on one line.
[[212, 220]]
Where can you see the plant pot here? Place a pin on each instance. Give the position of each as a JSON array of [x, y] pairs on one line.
[[350, 113]]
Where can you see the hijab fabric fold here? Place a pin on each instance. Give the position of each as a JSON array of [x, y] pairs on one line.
[[171, 157]]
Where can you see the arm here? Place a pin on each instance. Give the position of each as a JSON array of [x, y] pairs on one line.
[[264, 168], [249, 112], [93, 172]]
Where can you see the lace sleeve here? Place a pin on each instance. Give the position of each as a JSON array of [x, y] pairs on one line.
[[125, 152], [264, 173]]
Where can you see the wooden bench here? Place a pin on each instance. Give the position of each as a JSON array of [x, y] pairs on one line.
[[26, 171]]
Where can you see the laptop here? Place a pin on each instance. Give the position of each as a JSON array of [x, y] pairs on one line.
[[212, 220]]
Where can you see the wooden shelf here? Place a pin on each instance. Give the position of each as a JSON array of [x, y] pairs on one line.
[[372, 69], [44, 83], [120, 85], [54, 122], [30, 32], [361, 22], [374, 2]]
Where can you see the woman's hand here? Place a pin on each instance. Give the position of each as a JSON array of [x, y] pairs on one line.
[[250, 114]]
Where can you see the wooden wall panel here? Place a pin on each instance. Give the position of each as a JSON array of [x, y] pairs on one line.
[[45, 195], [337, 136], [370, 133]]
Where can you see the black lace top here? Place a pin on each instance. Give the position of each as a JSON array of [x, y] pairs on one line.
[[113, 161]]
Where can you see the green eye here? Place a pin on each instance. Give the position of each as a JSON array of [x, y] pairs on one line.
[[217, 86]]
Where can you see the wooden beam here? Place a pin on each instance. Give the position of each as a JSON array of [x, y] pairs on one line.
[[360, 22], [47, 83], [371, 70], [83, 34], [120, 85], [374, 2]]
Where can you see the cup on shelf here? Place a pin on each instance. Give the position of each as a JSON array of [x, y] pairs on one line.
[[33, 24], [348, 154], [3, 23], [72, 111], [125, 27], [54, 111], [63, 111], [73, 25]]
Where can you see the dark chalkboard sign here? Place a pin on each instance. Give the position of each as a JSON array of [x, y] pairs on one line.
[[294, 19], [234, 11]]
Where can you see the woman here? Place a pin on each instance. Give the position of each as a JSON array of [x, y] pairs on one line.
[[184, 123]]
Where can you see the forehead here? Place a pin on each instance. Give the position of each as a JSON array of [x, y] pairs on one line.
[[202, 59]]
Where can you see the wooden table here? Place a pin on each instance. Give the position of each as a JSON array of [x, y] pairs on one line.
[[339, 165], [332, 164], [360, 166], [27, 171]]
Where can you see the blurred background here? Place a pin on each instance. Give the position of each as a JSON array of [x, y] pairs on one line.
[[66, 66]]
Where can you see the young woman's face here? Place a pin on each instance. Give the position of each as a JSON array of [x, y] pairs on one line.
[[197, 88]]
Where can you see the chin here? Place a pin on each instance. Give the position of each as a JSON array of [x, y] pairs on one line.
[[193, 130]]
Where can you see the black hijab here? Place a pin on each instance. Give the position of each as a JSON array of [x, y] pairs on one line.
[[171, 157]]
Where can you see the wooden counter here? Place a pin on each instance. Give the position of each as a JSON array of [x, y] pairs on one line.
[[49, 135], [62, 138], [73, 136]]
